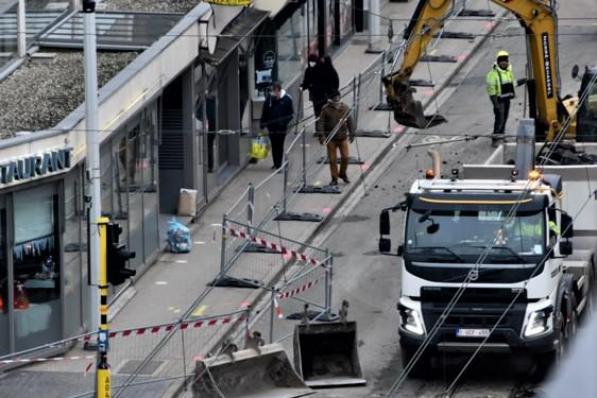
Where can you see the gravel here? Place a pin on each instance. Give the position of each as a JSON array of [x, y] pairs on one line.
[[40, 93], [182, 6]]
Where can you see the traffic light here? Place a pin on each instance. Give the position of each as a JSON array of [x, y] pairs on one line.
[[117, 256], [88, 6]]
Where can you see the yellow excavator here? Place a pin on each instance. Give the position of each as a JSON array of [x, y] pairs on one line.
[[539, 19]]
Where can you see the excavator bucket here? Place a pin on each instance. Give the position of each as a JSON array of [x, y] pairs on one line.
[[326, 354], [408, 111], [262, 373]]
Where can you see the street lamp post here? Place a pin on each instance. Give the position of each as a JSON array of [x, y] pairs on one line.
[[93, 197]]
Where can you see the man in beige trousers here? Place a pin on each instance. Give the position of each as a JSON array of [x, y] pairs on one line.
[[336, 112]]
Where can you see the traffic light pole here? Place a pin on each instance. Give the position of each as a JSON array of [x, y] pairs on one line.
[[93, 198], [103, 377]]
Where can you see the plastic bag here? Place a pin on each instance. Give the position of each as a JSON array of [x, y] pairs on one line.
[[259, 147], [178, 237]]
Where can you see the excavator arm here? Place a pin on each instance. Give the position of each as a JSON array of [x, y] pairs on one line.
[[427, 20], [540, 23]]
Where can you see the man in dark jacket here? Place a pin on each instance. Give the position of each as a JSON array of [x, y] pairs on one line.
[[336, 113], [331, 80], [314, 82], [275, 117]]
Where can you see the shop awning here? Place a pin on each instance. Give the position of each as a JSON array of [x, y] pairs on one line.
[[242, 26]]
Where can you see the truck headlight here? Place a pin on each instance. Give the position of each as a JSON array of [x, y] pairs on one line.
[[538, 322], [411, 321]]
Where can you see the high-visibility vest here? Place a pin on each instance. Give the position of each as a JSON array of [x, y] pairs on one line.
[[500, 82]]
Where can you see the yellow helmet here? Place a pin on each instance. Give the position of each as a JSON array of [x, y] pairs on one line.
[[502, 53]]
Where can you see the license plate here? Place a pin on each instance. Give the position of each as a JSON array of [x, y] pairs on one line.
[[472, 332]]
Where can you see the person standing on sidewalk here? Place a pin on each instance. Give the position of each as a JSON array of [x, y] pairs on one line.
[[275, 117], [315, 83], [331, 80], [500, 87], [336, 113]]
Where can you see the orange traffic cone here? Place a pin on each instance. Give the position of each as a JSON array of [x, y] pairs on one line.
[[21, 300]]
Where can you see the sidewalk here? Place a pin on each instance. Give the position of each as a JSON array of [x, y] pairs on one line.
[[170, 287]]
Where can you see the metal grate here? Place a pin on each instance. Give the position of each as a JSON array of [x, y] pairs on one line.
[[115, 31], [36, 22]]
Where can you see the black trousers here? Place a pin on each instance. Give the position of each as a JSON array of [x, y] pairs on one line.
[[276, 138], [501, 116], [317, 107]]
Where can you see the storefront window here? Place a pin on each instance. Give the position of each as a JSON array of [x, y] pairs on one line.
[[290, 46], [133, 184], [120, 163], [345, 18], [4, 343], [106, 180], [135, 168], [149, 126], [36, 267], [72, 252]]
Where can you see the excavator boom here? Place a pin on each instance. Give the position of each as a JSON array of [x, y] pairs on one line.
[[539, 20]]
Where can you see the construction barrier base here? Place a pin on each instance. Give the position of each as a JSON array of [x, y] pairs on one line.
[[255, 248], [439, 58], [228, 281], [290, 216], [467, 12], [262, 373], [327, 189], [326, 354], [351, 160], [383, 107], [421, 83], [372, 133], [455, 35]]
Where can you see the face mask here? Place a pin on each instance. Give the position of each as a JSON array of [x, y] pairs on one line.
[[311, 64]]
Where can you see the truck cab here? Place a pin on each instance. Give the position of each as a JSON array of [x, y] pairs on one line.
[[483, 261]]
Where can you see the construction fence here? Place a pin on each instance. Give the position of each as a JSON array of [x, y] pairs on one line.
[[291, 280]]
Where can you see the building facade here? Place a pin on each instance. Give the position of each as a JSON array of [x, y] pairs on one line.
[[164, 126]]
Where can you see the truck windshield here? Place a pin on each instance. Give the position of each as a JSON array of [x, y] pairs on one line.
[[456, 235]]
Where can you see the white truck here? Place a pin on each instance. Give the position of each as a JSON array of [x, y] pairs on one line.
[[508, 234]]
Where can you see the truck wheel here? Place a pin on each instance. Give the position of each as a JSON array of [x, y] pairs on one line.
[[422, 368]]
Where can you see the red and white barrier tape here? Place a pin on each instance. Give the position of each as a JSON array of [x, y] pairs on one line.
[[273, 246], [135, 332], [54, 359], [167, 328], [297, 290]]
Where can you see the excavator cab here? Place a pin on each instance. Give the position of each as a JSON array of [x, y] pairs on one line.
[[586, 116]]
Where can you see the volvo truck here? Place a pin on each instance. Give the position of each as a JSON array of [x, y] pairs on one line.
[[507, 243]]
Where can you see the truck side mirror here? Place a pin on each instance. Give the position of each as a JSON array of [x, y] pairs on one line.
[[384, 222], [566, 226], [385, 245], [566, 248], [400, 251]]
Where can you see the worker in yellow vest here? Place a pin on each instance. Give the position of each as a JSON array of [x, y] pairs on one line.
[[500, 87]]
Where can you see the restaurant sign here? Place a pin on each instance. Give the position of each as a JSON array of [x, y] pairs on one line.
[[30, 167]]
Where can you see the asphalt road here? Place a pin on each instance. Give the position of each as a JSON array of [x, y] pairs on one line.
[[371, 282]]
